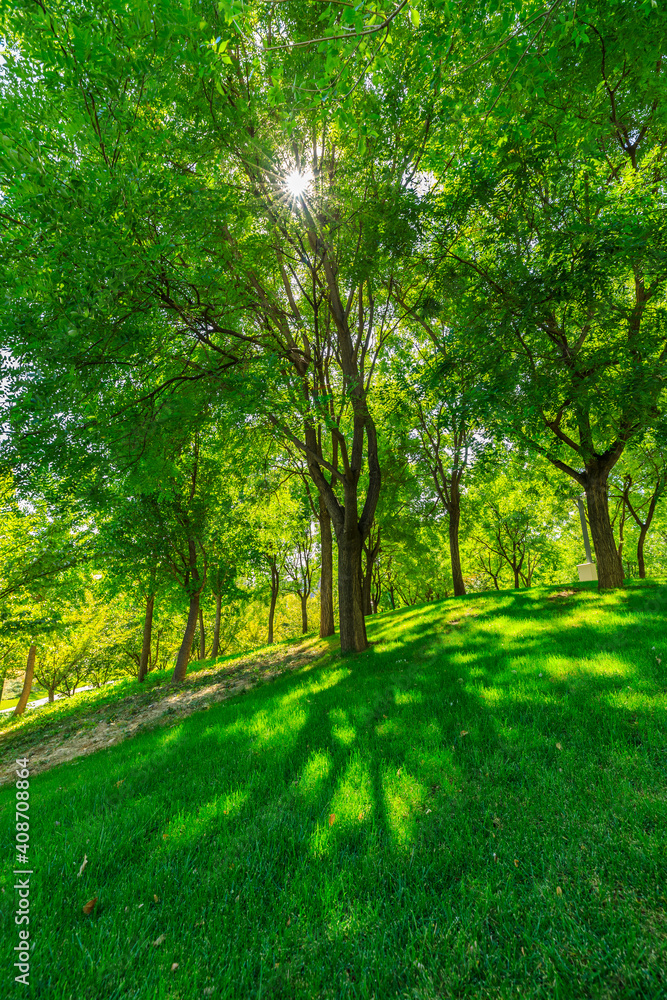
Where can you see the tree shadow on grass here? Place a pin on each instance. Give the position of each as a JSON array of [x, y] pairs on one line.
[[462, 798]]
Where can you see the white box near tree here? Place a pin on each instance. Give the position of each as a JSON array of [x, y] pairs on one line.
[[587, 571]]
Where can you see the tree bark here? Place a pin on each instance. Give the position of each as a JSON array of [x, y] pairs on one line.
[[52, 695], [371, 548], [146, 641], [202, 636], [641, 568], [304, 613], [454, 553], [275, 584], [216, 628], [350, 608], [327, 626], [27, 683], [195, 581], [181, 668], [609, 567]]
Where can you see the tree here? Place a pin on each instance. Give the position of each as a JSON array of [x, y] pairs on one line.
[[300, 567], [644, 484], [27, 683], [515, 518], [293, 291], [559, 261]]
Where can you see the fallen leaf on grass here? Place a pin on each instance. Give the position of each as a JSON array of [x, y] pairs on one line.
[[83, 865], [155, 898], [559, 746], [158, 941], [332, 819], [119, 783], [516, 862], [90, 905], [174, 967], [464, 732], [559, 891]]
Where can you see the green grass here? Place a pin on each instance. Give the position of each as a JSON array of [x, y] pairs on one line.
[[335, 834], [34, 695]]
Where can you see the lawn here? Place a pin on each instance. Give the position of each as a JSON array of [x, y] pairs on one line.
[[475, 807]]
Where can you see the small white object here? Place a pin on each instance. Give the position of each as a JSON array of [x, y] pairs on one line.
[[587, 571]]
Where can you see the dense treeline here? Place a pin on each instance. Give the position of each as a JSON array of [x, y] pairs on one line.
[[343, 302]]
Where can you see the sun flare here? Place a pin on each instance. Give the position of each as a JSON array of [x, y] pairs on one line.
[[297, 182]]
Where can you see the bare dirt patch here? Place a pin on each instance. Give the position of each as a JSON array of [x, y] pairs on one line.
[[561, 593], [63, 739]]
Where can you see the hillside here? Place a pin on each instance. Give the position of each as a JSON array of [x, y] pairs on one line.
[[474, 807]]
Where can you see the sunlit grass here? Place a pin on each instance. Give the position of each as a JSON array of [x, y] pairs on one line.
[[475, 807]]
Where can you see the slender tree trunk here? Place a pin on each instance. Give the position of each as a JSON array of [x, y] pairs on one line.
[[304, 613], [609, 567], [275, 584], [641, 568], [147, 638], [455, 555], [327, 626], [181, 668], [350, 607], [216, 629], [202, 636], [366, 589], [371, 549], [517, 582], [27, 683], [52, 695], [391, 598]]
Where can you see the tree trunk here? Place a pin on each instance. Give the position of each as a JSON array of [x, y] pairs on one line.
[[202, 636], [146, 641], [609, 567], [327, 626], [366, 589], [517, 582], [27, 683], [641, 568], [371, 550], [52, 695], [304, 613], [275, 584], [455, 556], [350, 608], [181, 668], [216, 629]]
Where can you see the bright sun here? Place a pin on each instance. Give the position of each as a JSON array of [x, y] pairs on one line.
[[296, 183]]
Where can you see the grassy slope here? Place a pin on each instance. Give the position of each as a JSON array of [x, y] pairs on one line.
[[335, 833]]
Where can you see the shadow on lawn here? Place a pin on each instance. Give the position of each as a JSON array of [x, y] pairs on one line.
[[433, 747]]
